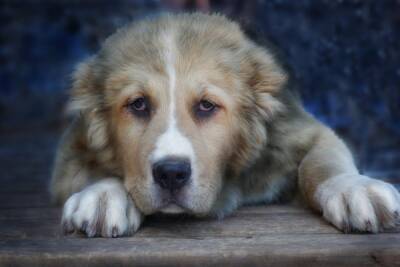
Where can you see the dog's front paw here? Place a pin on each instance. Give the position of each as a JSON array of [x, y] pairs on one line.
[[358, 203], [102, 209]]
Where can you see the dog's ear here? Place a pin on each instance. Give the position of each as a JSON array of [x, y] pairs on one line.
[[266, 78], [87, 101], [84, 96]]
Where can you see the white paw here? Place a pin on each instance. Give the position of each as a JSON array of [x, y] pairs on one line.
[[355, 202], [102, 209]]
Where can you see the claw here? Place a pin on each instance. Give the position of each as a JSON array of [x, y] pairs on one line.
[[368, 226], [84, 226], [114, 231], [67, 228], [91, 231], [346, 227]]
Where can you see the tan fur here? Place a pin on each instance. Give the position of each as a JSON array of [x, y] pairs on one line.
[[259, 147]]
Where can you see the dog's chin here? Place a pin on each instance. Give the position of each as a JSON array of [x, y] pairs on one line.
[[167, 203], [176, 207], [173, 205], [172, 208]]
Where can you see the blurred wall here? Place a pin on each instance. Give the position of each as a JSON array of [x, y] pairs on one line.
[[345, 55]]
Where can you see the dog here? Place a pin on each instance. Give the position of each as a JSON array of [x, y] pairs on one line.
[[185, 114]]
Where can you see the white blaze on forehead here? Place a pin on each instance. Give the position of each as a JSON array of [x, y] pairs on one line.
[[172, 142]]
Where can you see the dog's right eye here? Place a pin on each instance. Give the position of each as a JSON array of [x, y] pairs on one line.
[[140, 107]]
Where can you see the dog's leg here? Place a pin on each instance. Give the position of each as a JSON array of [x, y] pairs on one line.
[[229, 199], [71, 173], [95, 205], [331, 183]]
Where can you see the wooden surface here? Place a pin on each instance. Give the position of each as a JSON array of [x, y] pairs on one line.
[[30, 234]]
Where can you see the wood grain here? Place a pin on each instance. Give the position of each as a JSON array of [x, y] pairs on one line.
[[284, 249]]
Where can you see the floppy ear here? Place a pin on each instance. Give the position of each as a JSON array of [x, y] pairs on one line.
[[267, 78], [84, 95], [87, 101]]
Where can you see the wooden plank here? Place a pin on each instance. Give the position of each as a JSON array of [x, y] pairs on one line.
[[22, 213], [268, 250], [45, 223], [236, 225]]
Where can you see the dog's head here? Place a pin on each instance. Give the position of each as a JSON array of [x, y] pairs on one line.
[[181, 100]]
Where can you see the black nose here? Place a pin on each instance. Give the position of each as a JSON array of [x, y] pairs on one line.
[[172, 174]]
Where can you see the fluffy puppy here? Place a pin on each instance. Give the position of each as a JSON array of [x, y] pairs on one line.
[[184, 113]]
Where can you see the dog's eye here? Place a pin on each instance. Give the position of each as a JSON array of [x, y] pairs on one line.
[[205, 108], [140, 107]]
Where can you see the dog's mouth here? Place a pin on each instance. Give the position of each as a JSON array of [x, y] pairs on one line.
[[172, 206], [173, 201]]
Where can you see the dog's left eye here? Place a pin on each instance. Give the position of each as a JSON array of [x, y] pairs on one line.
[[140, 107], [205, 108]]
